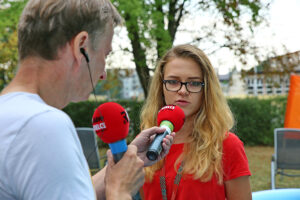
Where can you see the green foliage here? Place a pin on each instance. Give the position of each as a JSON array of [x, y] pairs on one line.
[[81, 113], [8, 59], [111, 86], [256, 118], [9, 16], [231, 10], [10, 12], [152, 27]]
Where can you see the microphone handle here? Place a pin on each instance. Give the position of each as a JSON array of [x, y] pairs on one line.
[[156, 146], [118, 149], [118, 156]]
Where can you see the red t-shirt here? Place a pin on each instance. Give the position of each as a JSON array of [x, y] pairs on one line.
[[235, 164]]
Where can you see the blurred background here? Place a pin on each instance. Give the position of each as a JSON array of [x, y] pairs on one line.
[[254, 46]]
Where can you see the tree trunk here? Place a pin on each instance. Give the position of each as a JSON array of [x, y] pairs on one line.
[[138, 54]]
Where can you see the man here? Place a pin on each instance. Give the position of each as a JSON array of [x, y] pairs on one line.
[[62, 48]]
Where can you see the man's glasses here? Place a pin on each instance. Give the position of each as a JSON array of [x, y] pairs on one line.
[[191, 86]]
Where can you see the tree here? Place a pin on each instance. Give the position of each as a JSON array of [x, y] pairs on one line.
[[112, 86], [9, 15], [152, 26]]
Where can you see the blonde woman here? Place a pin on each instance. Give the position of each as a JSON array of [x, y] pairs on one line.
[[206, 161]]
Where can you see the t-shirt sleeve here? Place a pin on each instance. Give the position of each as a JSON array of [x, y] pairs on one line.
[[48, 161], [235, 162]]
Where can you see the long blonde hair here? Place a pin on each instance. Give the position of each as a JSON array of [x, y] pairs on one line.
[[203, 156]]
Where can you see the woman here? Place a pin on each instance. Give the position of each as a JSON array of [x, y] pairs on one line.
[[207, 160]]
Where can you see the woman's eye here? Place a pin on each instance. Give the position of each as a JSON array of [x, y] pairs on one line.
[[173, 82], [195, 83]]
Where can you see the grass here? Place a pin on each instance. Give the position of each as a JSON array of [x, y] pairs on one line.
[[260, 166]]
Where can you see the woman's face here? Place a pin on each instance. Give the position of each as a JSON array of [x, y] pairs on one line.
[[183, 70]]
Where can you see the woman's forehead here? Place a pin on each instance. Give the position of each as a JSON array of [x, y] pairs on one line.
[[179, 67]]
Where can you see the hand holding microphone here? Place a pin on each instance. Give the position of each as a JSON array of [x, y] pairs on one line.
[[111, 124], [144, 139], [161, 145], [124, 172], [171, 118], [124, 179]]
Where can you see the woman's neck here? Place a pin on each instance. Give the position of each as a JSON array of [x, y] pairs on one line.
[[184, 134]]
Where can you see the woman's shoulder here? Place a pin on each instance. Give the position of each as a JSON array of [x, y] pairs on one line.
[[235, 162], [231, 139]]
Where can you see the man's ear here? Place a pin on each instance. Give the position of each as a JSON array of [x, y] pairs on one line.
[[80, 41]]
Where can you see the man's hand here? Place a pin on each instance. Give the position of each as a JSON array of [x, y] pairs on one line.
[[145, 138], [124, 179]]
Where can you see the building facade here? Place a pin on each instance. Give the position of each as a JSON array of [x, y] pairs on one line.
[[272, 77], [132, 88]]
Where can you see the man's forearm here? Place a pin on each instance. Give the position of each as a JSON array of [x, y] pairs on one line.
[[98, 181]]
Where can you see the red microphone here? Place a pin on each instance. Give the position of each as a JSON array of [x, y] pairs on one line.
[[111, 124], [170, 117]]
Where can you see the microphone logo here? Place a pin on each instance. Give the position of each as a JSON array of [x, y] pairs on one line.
[[98, 119], [168, 108], [125, 117], [100, 126]]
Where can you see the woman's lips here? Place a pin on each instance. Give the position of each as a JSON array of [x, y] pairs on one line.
[[182, 103]]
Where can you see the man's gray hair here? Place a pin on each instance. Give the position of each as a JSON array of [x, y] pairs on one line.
[[47, 25]]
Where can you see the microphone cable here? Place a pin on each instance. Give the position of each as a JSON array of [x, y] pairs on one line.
[[101, 116], [94, 92]]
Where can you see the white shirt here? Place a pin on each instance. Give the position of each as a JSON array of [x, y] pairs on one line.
[[40, 153]]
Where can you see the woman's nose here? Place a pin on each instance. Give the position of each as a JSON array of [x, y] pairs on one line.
[[183, 90]]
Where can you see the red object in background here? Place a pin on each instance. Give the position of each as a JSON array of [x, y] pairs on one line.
[[292, 114]]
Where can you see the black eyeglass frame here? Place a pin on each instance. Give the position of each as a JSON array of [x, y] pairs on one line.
[[183, 83]]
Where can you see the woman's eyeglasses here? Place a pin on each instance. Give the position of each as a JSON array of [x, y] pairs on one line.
[[191, 86]]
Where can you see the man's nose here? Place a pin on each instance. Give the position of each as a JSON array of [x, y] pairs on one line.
[[103, 76]]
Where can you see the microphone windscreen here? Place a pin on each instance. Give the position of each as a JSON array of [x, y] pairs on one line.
[[111, 122], [171, 113]]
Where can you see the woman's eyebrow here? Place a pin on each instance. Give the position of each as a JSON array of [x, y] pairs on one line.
[[172, 76], [193, 77], [196, 77]]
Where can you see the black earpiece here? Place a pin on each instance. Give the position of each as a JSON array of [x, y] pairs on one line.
[[85, 55]]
